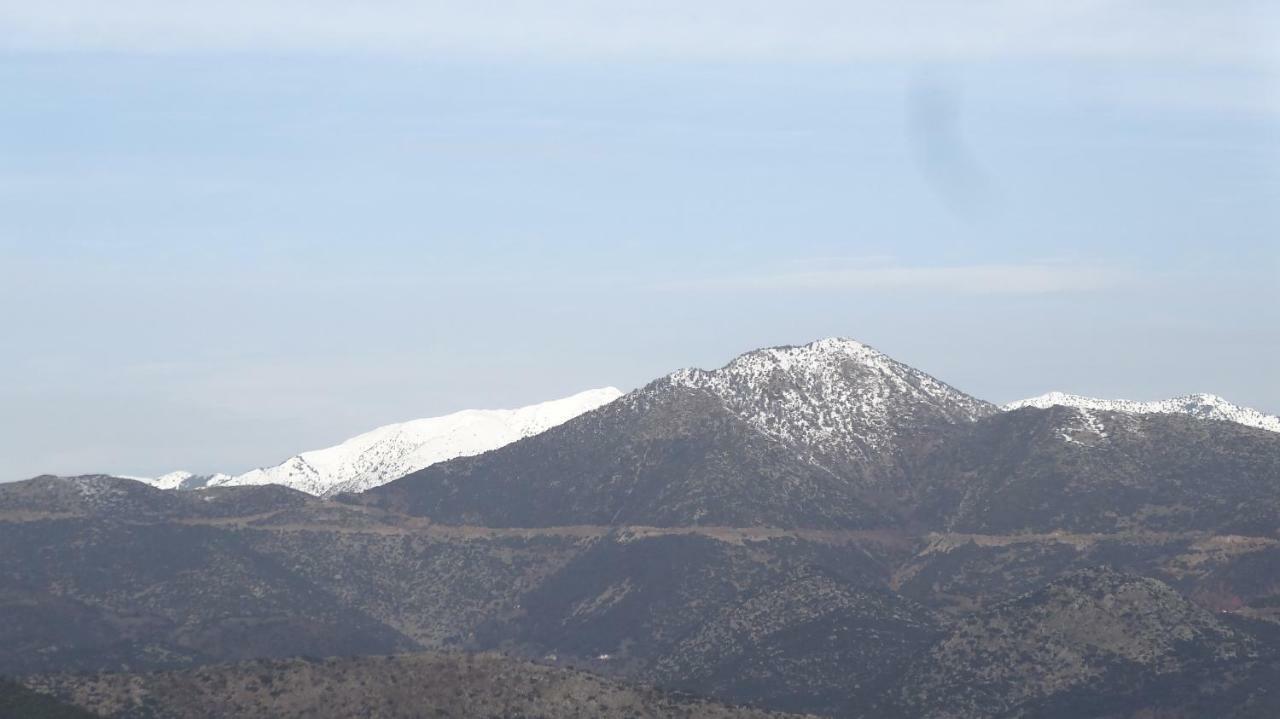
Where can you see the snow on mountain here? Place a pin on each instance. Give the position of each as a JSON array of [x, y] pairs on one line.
[[387, 453], [841, 399], [1201, 406], [182, 480]]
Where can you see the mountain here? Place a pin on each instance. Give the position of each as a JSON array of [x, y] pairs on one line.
[[767, 532], [812, 436], [390, 452], [849, 406], [391, 687], [102, 573], [1200, 406]]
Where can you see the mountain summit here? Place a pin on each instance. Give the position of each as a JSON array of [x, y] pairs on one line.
[[845, 402]]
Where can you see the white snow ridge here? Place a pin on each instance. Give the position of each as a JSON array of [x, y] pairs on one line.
[[1200, 406], [181, 480], [388, 453]]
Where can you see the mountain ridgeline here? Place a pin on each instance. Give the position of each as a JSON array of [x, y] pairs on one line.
[[816, 529], [392, 451], [817, 436], [835, 435]]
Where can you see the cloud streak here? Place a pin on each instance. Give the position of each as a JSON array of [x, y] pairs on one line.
[[986, 279], [717, 30]]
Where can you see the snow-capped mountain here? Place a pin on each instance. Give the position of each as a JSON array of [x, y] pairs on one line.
[[837, 397], [390, 452], [182, 480], [1200, 406]]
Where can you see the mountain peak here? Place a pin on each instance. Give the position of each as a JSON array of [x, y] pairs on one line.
[[846, 402], [1200, 406], [831, 350]]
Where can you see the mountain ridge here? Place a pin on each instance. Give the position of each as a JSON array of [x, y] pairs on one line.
[[1199, 405], [391, 451]]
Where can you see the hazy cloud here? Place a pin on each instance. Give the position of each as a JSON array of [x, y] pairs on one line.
[[1245, 32], [1015, 279]]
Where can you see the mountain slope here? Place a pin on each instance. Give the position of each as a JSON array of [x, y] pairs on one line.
[[1200, 406], [1043, 470], [406, 685], [1097, 643], [663, 455], [827, 628], [105, 572]]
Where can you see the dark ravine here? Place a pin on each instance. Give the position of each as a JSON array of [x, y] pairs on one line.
[[814, 529]]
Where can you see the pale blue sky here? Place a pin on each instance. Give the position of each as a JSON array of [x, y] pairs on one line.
[[231, 233]]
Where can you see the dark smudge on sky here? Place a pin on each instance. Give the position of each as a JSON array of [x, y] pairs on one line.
[[946, 161]]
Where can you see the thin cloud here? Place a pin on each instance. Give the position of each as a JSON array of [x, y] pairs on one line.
[[717, 30], [989, 279]]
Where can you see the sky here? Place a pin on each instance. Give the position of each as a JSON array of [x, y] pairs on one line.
[[233, 231]]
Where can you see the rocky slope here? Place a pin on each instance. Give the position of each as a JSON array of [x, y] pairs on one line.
[[1093, 643]]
